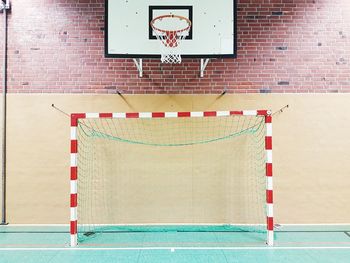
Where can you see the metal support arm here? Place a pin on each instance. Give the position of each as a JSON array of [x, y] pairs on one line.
[[138, 63], [204, 63], [4, 4]]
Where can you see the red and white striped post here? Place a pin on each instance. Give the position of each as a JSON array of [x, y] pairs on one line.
[[74, 156], [74, 179], [269, 183]]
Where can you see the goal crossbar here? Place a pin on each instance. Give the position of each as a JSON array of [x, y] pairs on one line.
[[77, 117]]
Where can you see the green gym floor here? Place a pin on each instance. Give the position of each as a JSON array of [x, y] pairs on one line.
[[316, 243]]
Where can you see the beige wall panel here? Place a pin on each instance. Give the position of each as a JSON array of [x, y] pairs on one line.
[[311, 150]]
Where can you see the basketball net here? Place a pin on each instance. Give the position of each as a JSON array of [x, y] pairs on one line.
[[170, 30]]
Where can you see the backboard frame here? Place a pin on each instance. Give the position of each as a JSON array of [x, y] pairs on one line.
[[150, 56]]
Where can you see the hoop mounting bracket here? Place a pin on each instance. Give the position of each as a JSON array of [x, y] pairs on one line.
[[138, 63], [204, 64], [5, 4]]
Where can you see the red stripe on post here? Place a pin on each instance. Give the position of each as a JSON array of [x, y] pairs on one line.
[[106, 115], [236, 112], [269, 196], [269, 169], [73, 200], [270, 223], [268, 143], [158, 114], [74, 117], [262, 112], [184, 114], [268, 119], [73, 227], [132, 115], [73, 146], [74, 173], [209, 113]]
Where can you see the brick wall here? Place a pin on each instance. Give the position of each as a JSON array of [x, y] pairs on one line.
[[57, 46]]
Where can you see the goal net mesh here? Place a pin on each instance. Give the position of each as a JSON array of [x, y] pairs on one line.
[[182, 174]]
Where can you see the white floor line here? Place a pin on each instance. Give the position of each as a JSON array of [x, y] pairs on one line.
[[42, 225], [134, 225], [328, 224], [171, 248], [186, 224]]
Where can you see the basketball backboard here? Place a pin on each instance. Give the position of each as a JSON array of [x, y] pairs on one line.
[[129, 34]]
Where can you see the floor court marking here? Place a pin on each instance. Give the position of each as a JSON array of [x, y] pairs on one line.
[[174, 248], [190, 231], [177, 224]]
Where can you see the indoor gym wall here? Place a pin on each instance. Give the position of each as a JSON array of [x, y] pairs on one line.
[[295, 47], [310, 151]]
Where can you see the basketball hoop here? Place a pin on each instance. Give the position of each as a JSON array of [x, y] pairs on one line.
[[170, 30]]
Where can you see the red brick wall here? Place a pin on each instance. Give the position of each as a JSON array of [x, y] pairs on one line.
[[57, 46]]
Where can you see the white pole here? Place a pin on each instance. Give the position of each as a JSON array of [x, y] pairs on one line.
[[4, 89]]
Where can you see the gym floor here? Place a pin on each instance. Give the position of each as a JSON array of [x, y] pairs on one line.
[[60, 52], [297, 243]]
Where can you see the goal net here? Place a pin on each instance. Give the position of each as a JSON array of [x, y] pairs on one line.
[[190, 171]]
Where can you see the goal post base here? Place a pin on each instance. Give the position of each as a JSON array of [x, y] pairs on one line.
[[74, 240]]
